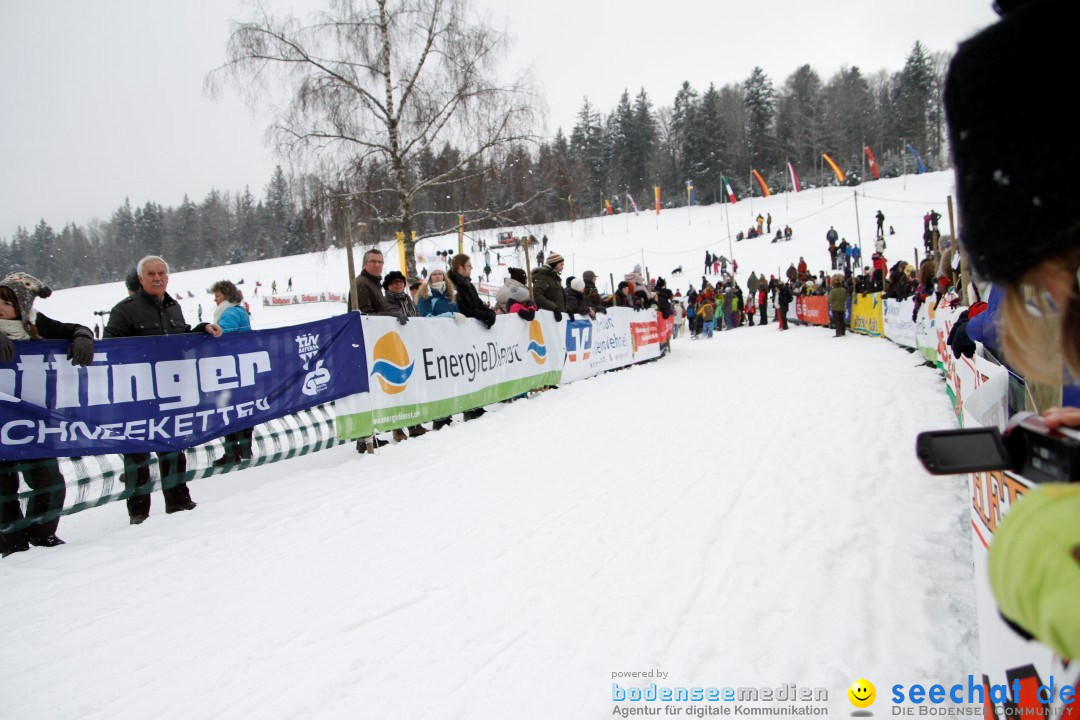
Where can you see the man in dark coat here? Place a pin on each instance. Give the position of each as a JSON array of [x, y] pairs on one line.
[[547, 289], [591, 293], [152, 311], [368, 287]]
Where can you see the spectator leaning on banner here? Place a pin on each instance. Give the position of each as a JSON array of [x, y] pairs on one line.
[[150, 312], [20, 321], [231, 317], [547, 288], [369, 293]]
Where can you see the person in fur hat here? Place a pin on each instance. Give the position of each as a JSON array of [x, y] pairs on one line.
[[1020, 227], [20, 321]]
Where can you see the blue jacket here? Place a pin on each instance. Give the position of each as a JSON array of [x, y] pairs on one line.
[[435, 304], [983, 328], [235, 319]]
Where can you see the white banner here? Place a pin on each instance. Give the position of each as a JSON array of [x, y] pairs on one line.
[[432, 368], [593, 346], [900, 326]]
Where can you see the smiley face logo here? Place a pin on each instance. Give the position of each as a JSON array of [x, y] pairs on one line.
[[862, 693]]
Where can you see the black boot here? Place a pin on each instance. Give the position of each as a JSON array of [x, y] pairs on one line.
[[13, 542], [47, 541]]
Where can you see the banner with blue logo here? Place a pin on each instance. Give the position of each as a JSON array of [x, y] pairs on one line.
[[432, 368], [172, 392], [606, 343]]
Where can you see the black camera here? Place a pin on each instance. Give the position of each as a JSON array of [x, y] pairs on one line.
[[1027, 447]]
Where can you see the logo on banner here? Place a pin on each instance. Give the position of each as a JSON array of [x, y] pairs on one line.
[[578, 341], [319, 378], [391, 363], [537, 346]]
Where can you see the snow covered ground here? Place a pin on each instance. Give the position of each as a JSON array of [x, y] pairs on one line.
[[745, 512]]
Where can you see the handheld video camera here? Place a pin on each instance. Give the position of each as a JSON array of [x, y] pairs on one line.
[[1027, 447]]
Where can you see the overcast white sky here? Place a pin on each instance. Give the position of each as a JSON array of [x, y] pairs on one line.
[[103, 99]]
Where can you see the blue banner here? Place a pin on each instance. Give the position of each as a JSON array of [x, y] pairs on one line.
[[172, 392]]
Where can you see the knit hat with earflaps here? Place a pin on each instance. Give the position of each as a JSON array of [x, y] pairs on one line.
[[554, 259], [27, 288]]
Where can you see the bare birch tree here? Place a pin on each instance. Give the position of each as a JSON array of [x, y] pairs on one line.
[[371, 84]]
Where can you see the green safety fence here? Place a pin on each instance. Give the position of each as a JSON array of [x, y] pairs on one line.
[[95, 480]]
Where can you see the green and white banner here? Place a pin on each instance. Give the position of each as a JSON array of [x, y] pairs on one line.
[[432, 368]]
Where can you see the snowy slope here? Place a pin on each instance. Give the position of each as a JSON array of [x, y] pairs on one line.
[[609, 246], [747, 511]]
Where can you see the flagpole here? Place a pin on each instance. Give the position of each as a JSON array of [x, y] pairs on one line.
[[727, 218], [752, 194], [786, 190], [864, 170], [821, 175]]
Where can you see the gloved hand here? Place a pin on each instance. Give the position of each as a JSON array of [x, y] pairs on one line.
[[81, 350], [459, 318], [526, 314], [403, 319], [570, 316], [958, 340], [7, 349], [488, 319], [558, 316]]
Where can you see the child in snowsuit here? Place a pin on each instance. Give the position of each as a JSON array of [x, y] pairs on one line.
[[20, 321]]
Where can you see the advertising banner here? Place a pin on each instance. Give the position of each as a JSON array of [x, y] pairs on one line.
[[172, 392], [866, 314], [303, 298], [925, 333], [900, 324], [645, 334], [433, 367], [594, 346], [812, 309], [1005, 657]]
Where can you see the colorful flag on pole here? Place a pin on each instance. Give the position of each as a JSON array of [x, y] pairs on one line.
[[761, 181], [918, 160], [656, 194], [835, 168], [873, 163], [607, 204], [632, 203], [690, 192], [794, 178], [727, 190]]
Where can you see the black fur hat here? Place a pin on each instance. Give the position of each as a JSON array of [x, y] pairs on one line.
[[1019, 200]]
